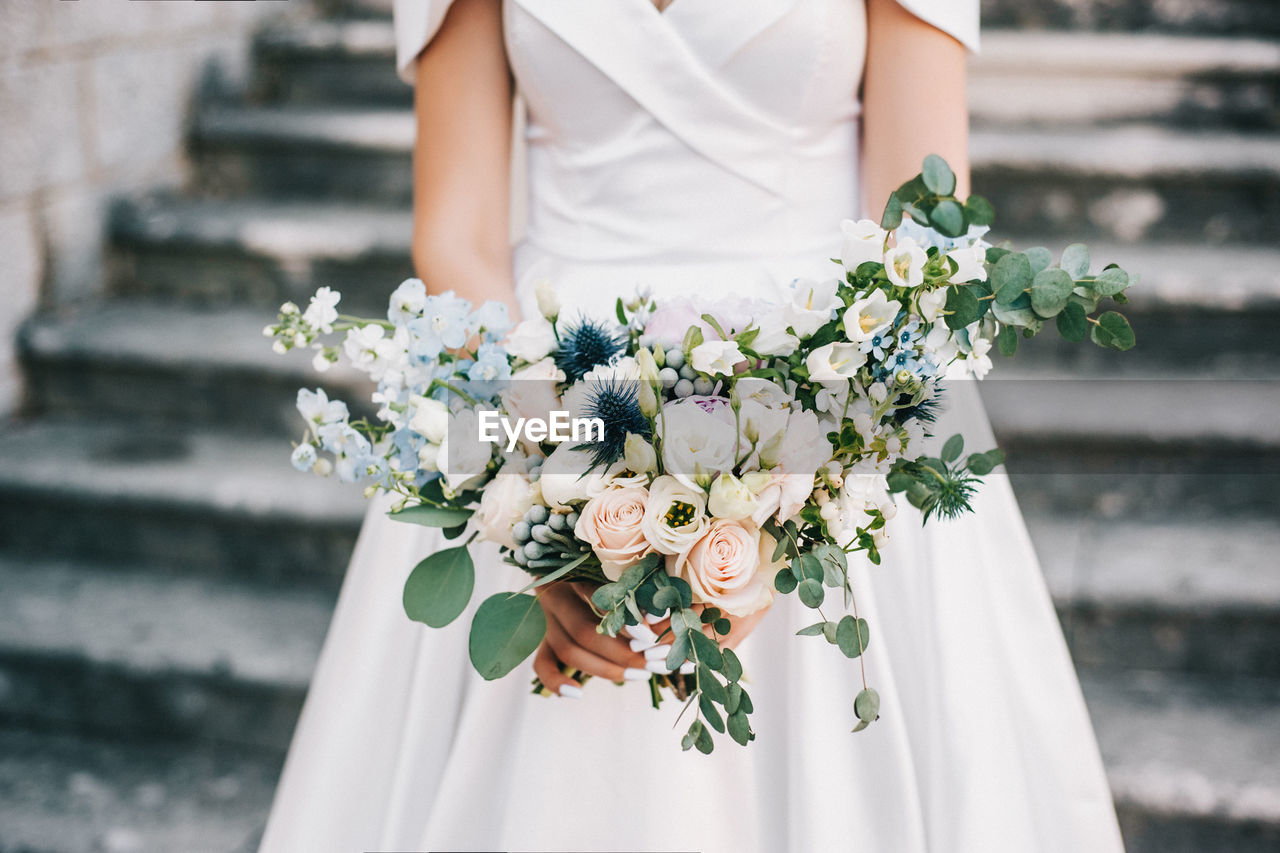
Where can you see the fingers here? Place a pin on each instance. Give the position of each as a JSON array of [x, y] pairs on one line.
[[547, 668], [569, 649]]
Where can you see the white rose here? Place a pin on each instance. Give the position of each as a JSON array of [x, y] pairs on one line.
[[969, 263], [870, 316], [505, 499], [730, 498], [612, 524], [532, 340], [862, 241], [812, 305], [904, 263], [548, 299], [675, 516], [716, 358], [429, 418], [697, 443], [835, 362], [731, 567], [565, 479]]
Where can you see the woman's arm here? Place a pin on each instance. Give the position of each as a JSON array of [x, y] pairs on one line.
[[913, 97], [461, 162]]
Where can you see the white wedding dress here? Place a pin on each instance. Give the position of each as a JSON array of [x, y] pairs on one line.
[[709, 150]]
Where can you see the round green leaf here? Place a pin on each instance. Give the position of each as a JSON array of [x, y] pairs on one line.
[[1017, 313], [1073, 323], [506, 630], [963, 307], [892, 217], [937, 176], [432, 516], [808, 566], [1039, 257], [1113, 331], [811, 592], [1111, 281], [953, 447], [948, 218], [1010, 276], [852, 636], [1075, 260], [979, 211], [784, 582], [439, 587], [1050, 291], [1007, 341], [867, 705]]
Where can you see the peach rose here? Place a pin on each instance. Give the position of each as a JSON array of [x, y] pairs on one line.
[[730, 567], [611, 523]]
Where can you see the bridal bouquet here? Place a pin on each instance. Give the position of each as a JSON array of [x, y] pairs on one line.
[[691, 461]]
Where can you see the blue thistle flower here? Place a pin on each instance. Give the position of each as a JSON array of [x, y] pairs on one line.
[[926, 411], [586, 345], [616, 403]]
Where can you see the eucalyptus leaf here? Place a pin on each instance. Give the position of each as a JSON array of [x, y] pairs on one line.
[[1010, 276], [962, 306], [1113, 331], [1073, 323], [785, 582], [739, 728], [709, 713], [866, 705], [1111, 281], [1075, 260], [937, 176], [852, 636], [978, 210], [506, 630], [892, 216], [432, 516], [811, 630], [706, 649], [1007, 341], [1018, 313], [732, 666], [811, 592], [953, 447], [1050, 291], [1040, 258], [948, 218], [438, 589]]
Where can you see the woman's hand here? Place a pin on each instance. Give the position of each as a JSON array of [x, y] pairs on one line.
[[572, 640]]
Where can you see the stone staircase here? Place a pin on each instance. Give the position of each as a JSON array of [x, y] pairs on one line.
[[166, 578]]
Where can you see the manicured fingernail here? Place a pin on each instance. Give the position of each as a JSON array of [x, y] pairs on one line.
[[658, 666], [642, 632], [686, 667], [654, 620], [570, 691], [657, 652], [641, 645], [633, 674]]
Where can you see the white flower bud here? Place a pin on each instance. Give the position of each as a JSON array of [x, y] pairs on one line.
[[323, 466], [279, 348], [288, 309], [639, 454], [548, 299], [829, 511], [320, 363]]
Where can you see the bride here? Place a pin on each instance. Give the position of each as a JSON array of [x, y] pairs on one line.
[[708, 149]]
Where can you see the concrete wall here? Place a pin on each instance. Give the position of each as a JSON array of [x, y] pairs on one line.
[[94, 99]]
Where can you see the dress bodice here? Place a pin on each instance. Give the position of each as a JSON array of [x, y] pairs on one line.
[[706, 131]]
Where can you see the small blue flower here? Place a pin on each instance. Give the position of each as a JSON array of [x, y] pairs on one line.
[[877, 345], [444, 324], [492, 317], [491, 364]]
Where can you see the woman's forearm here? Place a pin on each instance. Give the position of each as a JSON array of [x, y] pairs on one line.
[[913, 100], [461, 161]]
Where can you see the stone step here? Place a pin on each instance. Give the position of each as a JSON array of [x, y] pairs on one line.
[[1166, 595], [1191, 762], [1196, 17], [181, 498], [332, 61], [1091, 79], [1129, 182], [258, 252], [63, 794], [172, 363], [1132, 183], [1018, 78], [93, 649]]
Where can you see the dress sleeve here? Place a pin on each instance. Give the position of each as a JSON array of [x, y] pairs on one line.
[[416, 22], [956, 18]]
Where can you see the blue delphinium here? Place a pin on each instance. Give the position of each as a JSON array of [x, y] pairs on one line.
[[490, 365], [444, 324], [492, 317]]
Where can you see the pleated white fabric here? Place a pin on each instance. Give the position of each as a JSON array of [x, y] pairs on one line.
[[706, 153]]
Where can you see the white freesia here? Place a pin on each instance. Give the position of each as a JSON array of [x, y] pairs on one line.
[[548, 299], [696, 444], [904, 263], [429, 418], [730, 498], [969, 264], [812, 305], [675, 515], [862, 241], [931, 302], [532, 340], [834, 362], [505, 499], [870, 315], [716, 358]]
